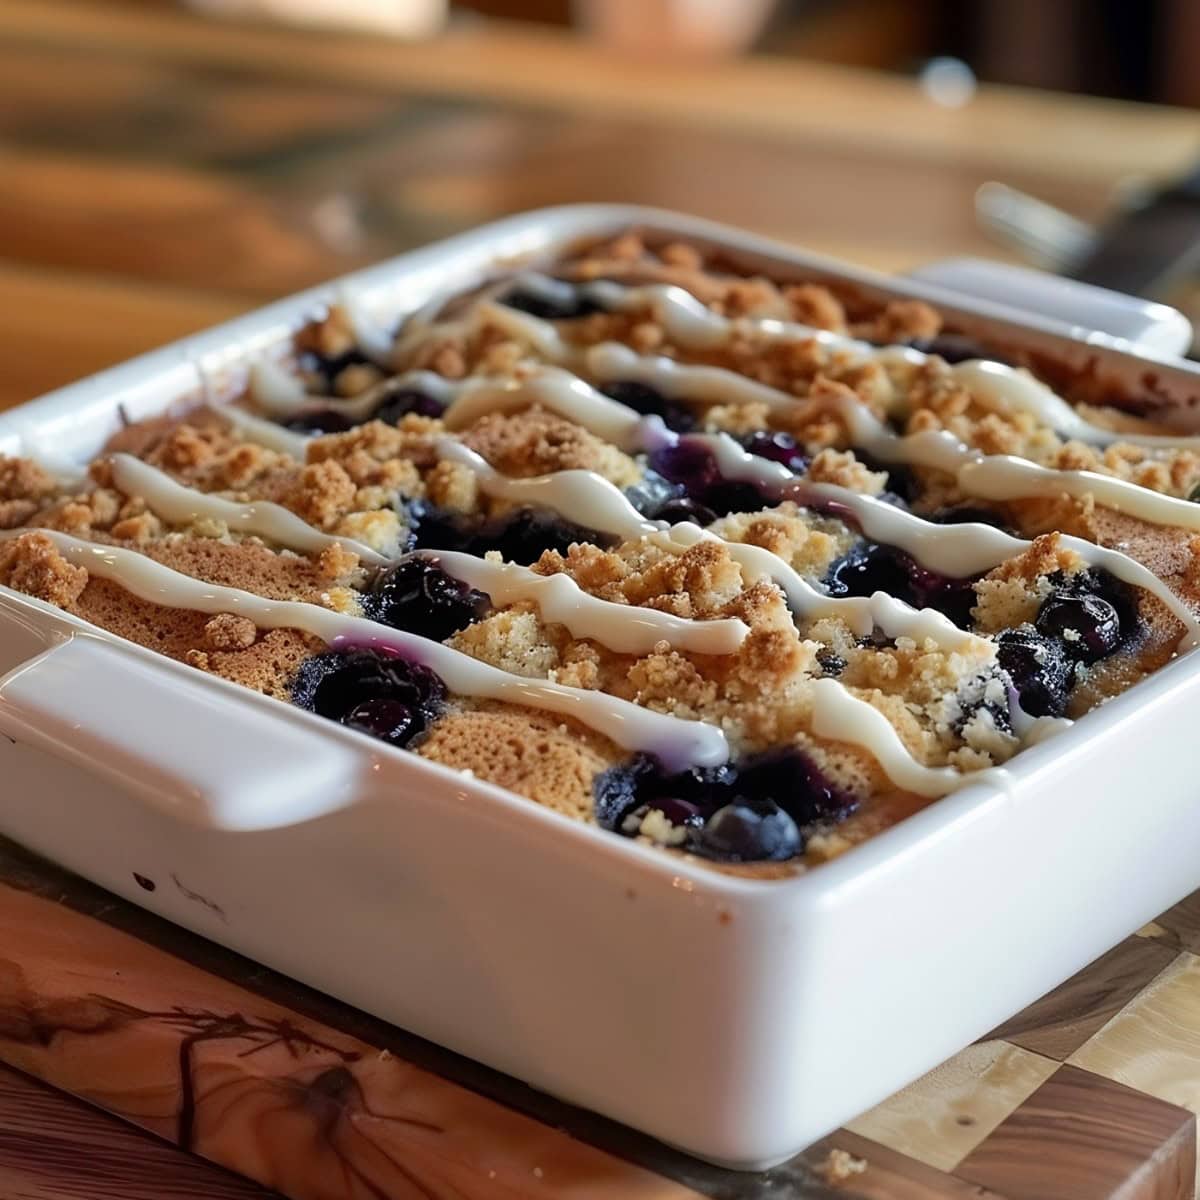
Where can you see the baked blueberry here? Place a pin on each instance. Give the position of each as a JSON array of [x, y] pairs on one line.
[[520, 536], [1039, 669], [319, 420], [650, 402], [324, 369], [778, 447], [968, 515], [956, 348], [749, 794], [340, 684], [523, 536], [685, 509], [389, 720], [651, 492], [401, 401], [1087, 625], [749, 831], [870, 567], [796, 784], [418, 596], [693, 466], [551, 300]]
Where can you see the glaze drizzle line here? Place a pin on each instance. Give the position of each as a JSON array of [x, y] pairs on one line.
[[678, 743]]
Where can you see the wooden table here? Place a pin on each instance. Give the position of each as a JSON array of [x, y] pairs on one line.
[[159, 173]]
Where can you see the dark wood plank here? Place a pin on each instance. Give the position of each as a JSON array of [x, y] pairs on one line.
[[1179, 927], [55, 1148], [1083, 1137], [886, 1174], [1062, 1020]]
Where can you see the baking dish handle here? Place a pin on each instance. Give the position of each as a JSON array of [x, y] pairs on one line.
[[1149, 327], [191, 749]]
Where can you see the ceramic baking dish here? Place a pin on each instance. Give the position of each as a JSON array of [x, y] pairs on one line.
[[736, 1019]]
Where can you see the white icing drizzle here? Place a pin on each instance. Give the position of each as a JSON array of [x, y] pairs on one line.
[[375, 341], [275, 390], [990, 477], [182, 505], [583, 497], [266, 433], [678, 743], [690, 323], [956, 550], [561, 392], [624, 628], [862, 614], [841, 717]]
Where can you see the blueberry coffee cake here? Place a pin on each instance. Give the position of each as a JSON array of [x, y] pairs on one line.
[[748, 569]]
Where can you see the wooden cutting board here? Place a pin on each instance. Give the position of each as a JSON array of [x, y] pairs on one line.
[[1087, 1095]]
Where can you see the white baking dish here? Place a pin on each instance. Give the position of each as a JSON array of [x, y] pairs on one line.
[[737, 1019]]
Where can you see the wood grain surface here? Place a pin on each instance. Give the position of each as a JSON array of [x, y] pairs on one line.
[[159, 173]]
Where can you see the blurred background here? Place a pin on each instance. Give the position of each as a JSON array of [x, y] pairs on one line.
[[168, 163]]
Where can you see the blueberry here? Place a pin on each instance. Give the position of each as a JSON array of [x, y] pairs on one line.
[[389, 720], [651, 492], [339, 685], [650, 402], [1088, 625], [830, 663], [870, 567], [966, 514], [320, 420], [753, 810], [791, 779], [418, 596], [555, 300], [520, 536], [688, 463], [694, 467], [685, 509], [404, 400], [1100, 583], [1039, 670], [734, 496], [523, 536], [327, 367], [956, 348], [749, 831], [615, 791], [778, 447]]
